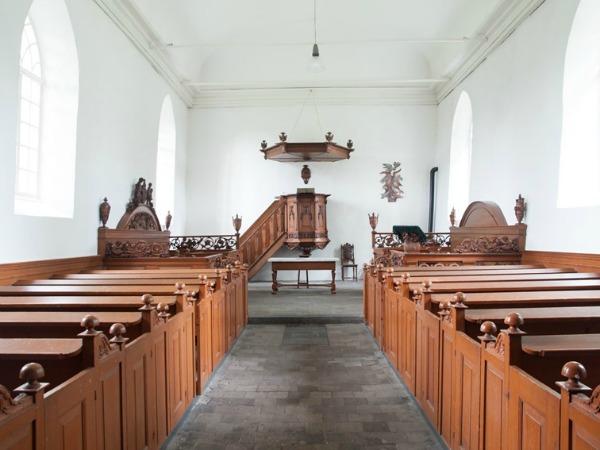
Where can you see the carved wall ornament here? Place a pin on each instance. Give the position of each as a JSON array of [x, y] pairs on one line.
[[305, 174], [104, 212], [168, 220], [391, 182], [520, 208], [499, 244]]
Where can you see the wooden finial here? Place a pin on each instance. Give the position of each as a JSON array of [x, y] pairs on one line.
[[520, 208], [163, 311], [396, 286], [373, 220], [179, 288], [405, 277], [574, 372], [459, 300], [514, 320], [117, 331], [427, 285], [453, 217], [147, 300], [444, 310], [489, 331], [90, 323]]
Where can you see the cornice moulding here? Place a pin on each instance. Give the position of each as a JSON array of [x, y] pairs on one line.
[[505, 20], [330, 96], [124, 15]]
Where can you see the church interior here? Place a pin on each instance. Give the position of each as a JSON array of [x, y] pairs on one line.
[[319, 224]]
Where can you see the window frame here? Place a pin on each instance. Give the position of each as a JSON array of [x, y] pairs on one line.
[[26, 73]]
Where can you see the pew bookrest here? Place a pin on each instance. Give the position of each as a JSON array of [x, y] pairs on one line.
[[565, 345], [30, 349]]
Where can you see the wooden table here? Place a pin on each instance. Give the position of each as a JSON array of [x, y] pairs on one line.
[[307, 264]]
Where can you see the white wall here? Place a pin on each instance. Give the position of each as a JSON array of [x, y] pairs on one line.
[[119, 108], [228, 175], [517, 111]]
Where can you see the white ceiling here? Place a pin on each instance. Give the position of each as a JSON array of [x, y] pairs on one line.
[[236, 45]]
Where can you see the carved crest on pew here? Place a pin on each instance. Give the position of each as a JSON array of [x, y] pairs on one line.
[[500, 345], [103, 346], [595, 400], [6, 400], [140, 213], [138, 233]]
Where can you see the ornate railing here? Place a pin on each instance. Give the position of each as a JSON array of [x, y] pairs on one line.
[[391, 240], [186, 245]]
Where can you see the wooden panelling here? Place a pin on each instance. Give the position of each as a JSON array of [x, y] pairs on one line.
[[9, 273], [582, 262]]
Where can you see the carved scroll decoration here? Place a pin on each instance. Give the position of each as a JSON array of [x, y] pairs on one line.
[[500, 344], [594, 402], [6, 400], [136, 249], [185, 245], [500, 244], [104, 347]]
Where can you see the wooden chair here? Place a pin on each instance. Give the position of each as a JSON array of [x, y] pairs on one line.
[[348, 261]]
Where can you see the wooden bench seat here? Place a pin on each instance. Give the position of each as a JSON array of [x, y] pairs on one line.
[[566, 314], [563, 346], [63, 358], [61, 324], [78, 303], [523, 298], [131, 289], [517, 276]]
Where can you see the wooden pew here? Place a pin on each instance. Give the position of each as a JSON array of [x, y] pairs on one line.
[[518, 406], [413, 341], [373, 290], [60, 324], [129, 394], [463, 369], [80, 303], [579, 410]]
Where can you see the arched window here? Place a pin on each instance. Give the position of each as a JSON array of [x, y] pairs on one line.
[[32, 82], [165, 160], [49, 97], [460, 156], [579, 183]]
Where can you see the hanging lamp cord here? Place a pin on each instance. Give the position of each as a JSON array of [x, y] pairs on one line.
[[309, 94]]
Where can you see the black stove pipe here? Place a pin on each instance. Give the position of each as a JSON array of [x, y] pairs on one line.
[[432, 173]]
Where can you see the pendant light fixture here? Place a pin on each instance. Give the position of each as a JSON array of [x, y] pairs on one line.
[[315, 65]]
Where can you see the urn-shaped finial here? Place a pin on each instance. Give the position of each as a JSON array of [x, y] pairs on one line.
[[283, 136], [329, 136], [520, 208], [350, 144], [168, 220], [263, 144], [237, 223], [373, 220], [104, 212], [453, 217], [305, 173]]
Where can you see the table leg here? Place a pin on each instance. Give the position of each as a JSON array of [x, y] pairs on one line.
[[333, 281], [307, 285], [274, 287]]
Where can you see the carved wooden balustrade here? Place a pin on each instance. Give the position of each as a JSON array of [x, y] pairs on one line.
[[264, 237], [188, 245]]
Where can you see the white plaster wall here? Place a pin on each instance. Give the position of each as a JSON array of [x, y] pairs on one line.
[[228, 175], [120, 99], [517, 110]]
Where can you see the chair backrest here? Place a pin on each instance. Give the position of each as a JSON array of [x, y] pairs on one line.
[[347, 253]]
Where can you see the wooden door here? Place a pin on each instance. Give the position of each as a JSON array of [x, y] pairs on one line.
[[407, 339], [533, 413], [427, 364], [465, 395], [205, 344]]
